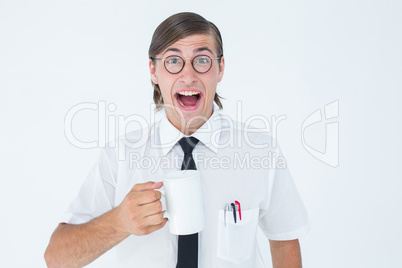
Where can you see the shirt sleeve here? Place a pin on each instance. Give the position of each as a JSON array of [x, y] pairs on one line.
[[285, 216], [96, 195]]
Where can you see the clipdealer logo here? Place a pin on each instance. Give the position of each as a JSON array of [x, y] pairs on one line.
[[111, 126], [112, 129], [330, 155]]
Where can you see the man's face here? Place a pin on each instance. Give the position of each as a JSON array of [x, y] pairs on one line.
[[188, 95]]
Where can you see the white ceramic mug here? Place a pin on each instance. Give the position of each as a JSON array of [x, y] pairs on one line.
[[184, 205]]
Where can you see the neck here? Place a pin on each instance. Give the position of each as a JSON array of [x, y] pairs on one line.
[[189, 129]]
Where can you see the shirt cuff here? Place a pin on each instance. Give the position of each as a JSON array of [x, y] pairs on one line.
[[290, 235], [71, 218]]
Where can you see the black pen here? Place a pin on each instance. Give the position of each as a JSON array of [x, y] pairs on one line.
[[234, 211]]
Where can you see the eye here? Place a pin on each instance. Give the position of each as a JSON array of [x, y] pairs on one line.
[[203, 60], [173, 60]]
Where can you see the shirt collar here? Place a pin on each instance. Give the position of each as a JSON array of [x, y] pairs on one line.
[[208, 134]]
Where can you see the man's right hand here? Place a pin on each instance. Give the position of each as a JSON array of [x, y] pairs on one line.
[[140, 212]]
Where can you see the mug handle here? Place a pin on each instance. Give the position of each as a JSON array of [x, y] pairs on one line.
[[162, 191]]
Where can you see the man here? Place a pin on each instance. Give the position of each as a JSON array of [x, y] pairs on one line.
[[118, 205]]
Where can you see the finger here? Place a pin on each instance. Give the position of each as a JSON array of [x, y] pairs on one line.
[[153, 228], [158, 185], [150, 209], [157, 194], [143, 198], [146, 186], [153, 219]]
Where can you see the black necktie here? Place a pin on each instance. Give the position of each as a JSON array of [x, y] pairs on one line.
[[187, 256]]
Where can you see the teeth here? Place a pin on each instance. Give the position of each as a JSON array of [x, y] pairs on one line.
[[189, 93]]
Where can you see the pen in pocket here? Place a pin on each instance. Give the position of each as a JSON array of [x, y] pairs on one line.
[[233, 207]]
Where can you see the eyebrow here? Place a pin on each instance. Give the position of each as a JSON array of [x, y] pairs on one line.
[[173, 49], [203, 49]]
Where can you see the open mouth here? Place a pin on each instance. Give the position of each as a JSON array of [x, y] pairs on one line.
[[188, 98]]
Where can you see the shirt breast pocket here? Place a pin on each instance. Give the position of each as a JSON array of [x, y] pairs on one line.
[[237, 241]]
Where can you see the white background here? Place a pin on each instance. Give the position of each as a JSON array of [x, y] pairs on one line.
[[282, 58]]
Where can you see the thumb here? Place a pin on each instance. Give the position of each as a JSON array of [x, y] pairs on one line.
[[147, 186], [157, 185]]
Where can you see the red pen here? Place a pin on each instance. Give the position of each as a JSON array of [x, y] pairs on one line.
[[238, 203]]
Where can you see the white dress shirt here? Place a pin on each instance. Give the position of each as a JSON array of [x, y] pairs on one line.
[[231, 168]]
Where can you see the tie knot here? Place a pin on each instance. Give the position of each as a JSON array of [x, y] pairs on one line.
[[188, 144]]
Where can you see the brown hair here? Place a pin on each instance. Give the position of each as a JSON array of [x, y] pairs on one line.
[[174, 28]]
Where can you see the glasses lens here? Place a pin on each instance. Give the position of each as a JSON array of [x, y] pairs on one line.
[[174, 64], [202, 64]]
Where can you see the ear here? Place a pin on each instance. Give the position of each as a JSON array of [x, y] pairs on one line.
[[221, 69], [152, 70]]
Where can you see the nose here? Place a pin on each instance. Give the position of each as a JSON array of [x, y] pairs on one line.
[[188, 74]]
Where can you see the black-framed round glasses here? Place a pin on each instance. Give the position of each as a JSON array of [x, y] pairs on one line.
[[174, 64]]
